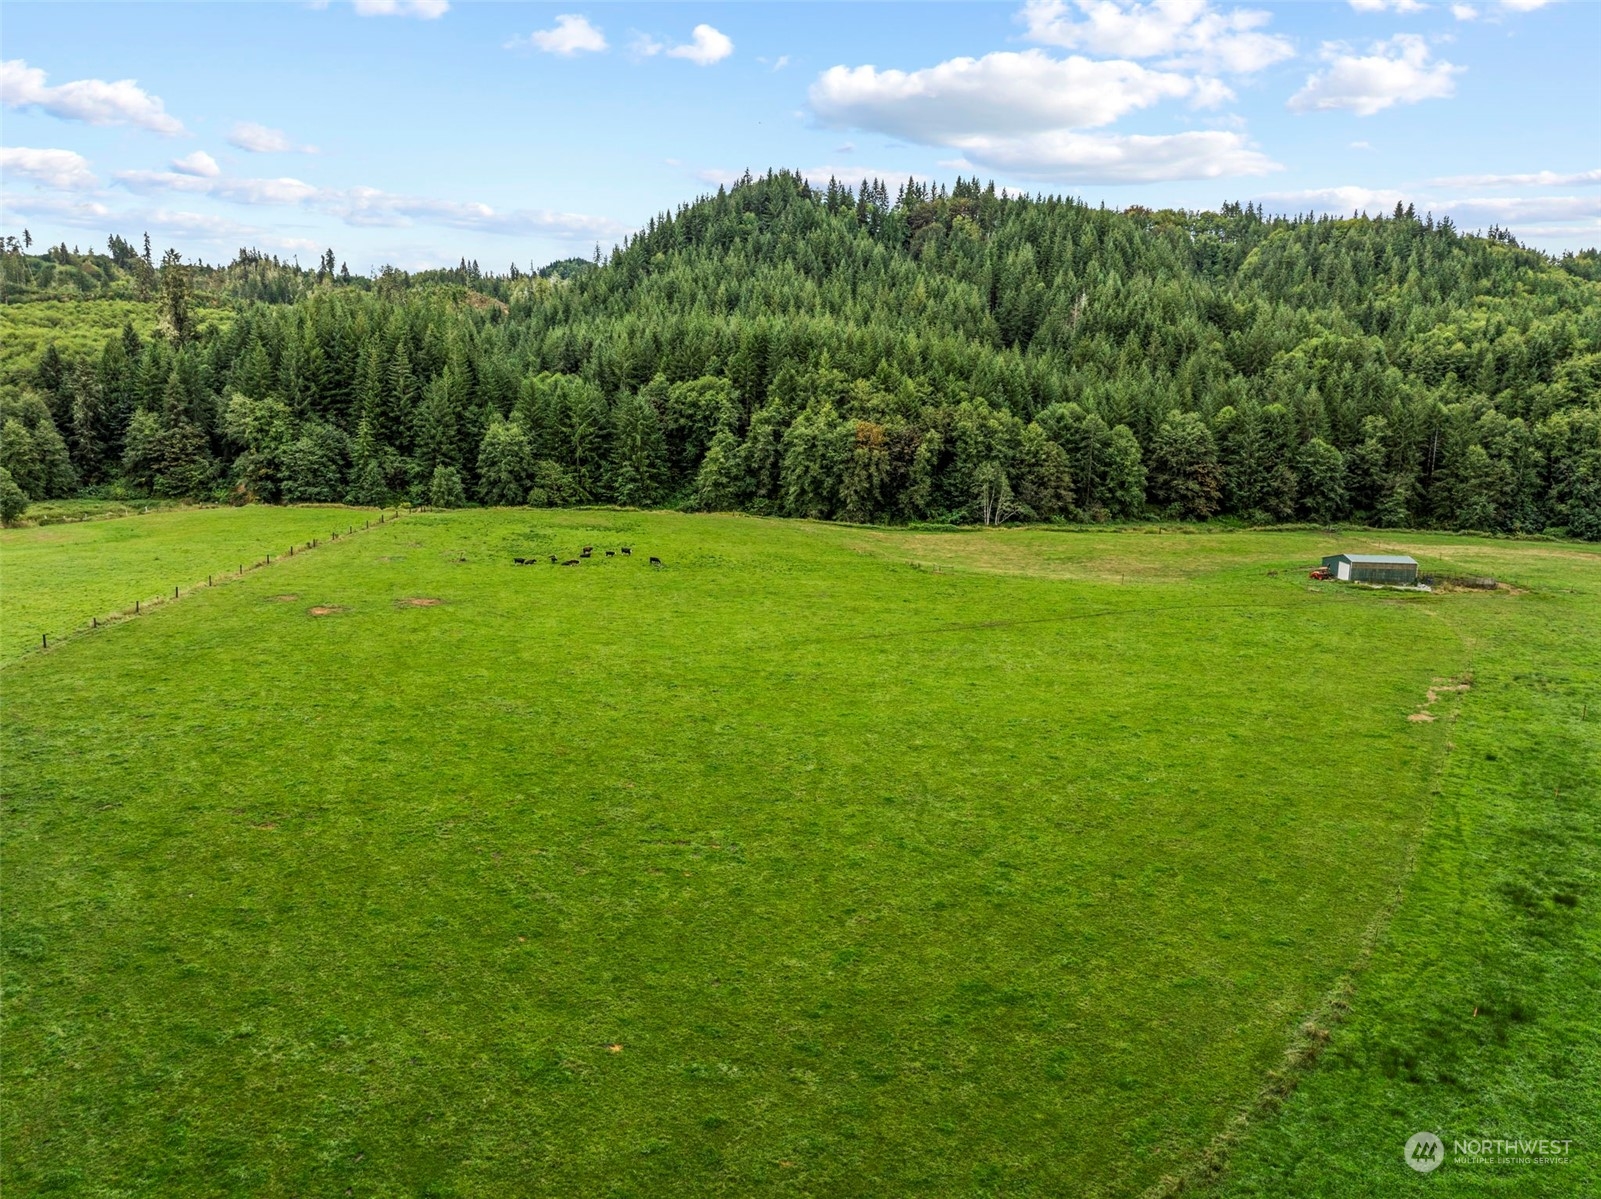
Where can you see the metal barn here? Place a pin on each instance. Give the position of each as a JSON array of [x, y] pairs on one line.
[[1373, 568]]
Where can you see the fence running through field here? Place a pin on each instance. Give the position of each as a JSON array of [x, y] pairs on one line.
[[141, 606]]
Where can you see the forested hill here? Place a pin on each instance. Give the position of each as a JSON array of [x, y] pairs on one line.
[[948, 354]]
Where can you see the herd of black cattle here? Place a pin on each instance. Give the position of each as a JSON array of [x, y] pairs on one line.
[[587, 552]]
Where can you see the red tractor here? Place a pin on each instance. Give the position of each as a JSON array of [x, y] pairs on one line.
[[1322, 572]]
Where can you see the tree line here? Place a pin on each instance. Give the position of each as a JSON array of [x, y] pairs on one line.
[[945, 353]]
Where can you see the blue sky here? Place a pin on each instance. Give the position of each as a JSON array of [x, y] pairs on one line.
[[416, 132]]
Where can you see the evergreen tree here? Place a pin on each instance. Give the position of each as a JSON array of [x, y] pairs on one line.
[[864, 483], [1044, 477], [1584, 498], [1322, 481], [20, 457], [399, 399], [445, 490], [638, 453], [53, 379], [581, 434], [505, 465], [313, 465], [369, 474], [57, 477], [436, 432], [1122, 486], [176, 286], [552, 486], [815, 451], [720, 483], [1185, 477], [13, 502]]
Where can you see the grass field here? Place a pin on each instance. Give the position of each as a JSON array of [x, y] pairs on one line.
[[57, 578], [821, 861]]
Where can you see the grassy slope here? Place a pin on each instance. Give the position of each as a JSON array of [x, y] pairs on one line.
[[54, 578], [1478, 1016], [77, 327], [1013, 875]]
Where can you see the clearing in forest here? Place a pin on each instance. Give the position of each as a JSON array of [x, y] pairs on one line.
[[819, 860]]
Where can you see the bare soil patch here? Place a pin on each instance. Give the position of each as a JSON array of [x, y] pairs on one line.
[[326, 610], [1421, 717], [420, 601], [282, 599]]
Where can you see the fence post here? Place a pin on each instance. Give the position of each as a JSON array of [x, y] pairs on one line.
[[136, 607], [44, 638]]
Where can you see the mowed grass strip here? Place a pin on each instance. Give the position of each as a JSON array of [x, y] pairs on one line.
[[1479, 1016], [56, 579], [783, 867]]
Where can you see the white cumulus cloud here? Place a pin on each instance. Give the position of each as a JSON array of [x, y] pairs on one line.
[[93, 101], [1398, 71], [199, 163], [260, 139], [1066, 156], [706, 46], [1464, 12], [571, 35], [1188, 34], [1340, 201], [1388, 5], [80, 213], [1024, 113], [1001, 93], [369, 206], [234, 189], [63, 170], [426, 10], [1530, 179]]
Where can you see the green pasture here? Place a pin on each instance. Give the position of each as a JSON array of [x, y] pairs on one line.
[[57, 578], [1479, 1015], [820, 860]]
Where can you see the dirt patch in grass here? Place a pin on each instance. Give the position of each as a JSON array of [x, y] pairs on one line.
[[326, 610], [419, 601], [1421, 717], [282, 599]]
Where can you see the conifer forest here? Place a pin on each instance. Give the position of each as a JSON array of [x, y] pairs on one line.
[[932, 353]]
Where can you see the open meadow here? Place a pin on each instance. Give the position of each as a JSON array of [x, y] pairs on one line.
[[819, 860]]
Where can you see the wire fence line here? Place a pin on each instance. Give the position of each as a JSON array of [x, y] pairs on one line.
[[146, 604]]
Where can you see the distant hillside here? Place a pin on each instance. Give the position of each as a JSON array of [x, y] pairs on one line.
[[932, 354]]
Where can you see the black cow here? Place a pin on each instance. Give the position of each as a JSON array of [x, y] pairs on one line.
[[571, 562], [585, 552], [520, 561], [553, 559], [655, 561], [627, 552], [609, 554]]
